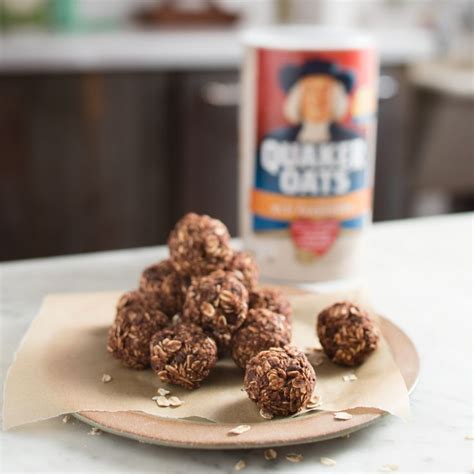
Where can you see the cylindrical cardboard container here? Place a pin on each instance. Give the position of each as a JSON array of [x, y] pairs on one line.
[[308, 123]]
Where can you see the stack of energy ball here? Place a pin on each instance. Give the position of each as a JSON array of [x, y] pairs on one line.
[[203, 303]]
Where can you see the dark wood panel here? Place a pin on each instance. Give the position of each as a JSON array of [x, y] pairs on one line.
[[84, 163], [14, 199], [394, 121], [205, 149]]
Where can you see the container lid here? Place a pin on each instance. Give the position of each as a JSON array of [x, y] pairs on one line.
[[307, 37]]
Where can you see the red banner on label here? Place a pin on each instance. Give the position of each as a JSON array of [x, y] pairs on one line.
[[316, 237]]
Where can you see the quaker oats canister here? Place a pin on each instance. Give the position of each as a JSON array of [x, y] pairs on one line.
[[308, 124]]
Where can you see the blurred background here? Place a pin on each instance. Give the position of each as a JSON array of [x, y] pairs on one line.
[[118, 116]]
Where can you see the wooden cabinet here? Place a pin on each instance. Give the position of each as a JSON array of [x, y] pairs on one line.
[[394, 122], [104, 161], [83, 163], [205, 146]]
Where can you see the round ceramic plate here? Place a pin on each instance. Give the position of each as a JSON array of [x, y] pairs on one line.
[[207, 435]]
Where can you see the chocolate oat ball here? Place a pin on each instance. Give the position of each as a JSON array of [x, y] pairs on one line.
[[138, 318], [183, 355], [166, 285], [199, 245], [271, 299], [218, 304], [262, 329], [347, 333], [245, 267], [280, 380]]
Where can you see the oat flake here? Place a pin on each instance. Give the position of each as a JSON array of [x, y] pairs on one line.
[[239, 429], [163, 392], [342, 416], [162, 401], [349, 377], [389, 468], [175, 319], [292, 457], [240, 465], [270, 454], [175, 401], [327, 461]]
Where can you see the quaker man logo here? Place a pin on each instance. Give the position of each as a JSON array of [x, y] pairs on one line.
[[317, 99]]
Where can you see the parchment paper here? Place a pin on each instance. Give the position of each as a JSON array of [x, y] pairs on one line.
[[59, 366]]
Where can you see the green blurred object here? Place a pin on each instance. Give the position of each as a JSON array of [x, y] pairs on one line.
[[23, 13], [63, 14], [59, 15]]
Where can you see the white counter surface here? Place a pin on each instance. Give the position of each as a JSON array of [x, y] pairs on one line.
[[167, 50], [420, 275]]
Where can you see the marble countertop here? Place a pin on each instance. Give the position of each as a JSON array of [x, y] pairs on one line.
[[168, 49], [420, 275]]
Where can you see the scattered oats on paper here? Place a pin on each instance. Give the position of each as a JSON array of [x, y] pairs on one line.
[[327, 461], [162, 401], [293, 457], [342, 415], [240, 465], [66, 418], [349, 377], [163, 392], [94, 432], [270, 454], [239, 429], [389, 468], [175, 401], [106, 378]]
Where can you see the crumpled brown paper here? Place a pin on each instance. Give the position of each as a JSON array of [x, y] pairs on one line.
[[60, 363]]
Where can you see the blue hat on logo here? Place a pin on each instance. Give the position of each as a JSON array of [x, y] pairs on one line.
[[290, 74]]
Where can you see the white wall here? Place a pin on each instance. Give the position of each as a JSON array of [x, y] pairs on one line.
[[379, 13]]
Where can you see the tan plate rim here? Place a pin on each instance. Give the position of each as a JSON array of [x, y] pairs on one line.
[[207, 435]]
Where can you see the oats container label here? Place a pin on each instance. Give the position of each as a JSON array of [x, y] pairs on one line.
[[308, 123]]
